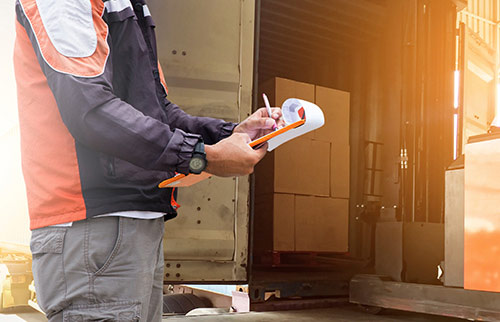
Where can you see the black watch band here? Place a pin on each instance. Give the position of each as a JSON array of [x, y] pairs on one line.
[[199, 148], [198, 161]]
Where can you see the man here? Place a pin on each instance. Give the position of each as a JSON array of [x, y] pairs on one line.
[[98, 135]]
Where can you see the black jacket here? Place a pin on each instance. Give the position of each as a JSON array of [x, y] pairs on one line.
[[98, 132]]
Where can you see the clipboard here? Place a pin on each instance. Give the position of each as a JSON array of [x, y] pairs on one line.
[[299, 115]]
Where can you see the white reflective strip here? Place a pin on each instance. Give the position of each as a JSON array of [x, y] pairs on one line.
[[48, 63], [117, 5], [69, 26], [68, 224], [137, 214], [146, 10]]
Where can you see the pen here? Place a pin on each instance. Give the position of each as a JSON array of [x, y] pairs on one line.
[[268, 107]]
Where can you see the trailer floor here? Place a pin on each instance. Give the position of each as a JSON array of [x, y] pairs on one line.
[[343, 313]]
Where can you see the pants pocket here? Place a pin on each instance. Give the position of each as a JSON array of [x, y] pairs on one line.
[[47, 246], [103, 241], [125, 311]]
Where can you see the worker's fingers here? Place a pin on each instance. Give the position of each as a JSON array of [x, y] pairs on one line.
[[233, 156], [261, 151], [262, 112], [263, 123], [276, 113], [280, 123]]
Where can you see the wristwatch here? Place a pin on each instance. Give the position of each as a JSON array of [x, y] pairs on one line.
[[198, 161]]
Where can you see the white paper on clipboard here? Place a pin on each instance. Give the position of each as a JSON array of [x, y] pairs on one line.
[[313, 115]]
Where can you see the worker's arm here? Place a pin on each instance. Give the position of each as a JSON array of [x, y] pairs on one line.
[[77, 63], [81, 82], [212, 130], [232, 139]]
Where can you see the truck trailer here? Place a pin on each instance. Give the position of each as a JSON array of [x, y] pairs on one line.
[[419, 78]]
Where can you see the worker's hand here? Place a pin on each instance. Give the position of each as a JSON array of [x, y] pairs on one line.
[[233, 156], [259, 123]]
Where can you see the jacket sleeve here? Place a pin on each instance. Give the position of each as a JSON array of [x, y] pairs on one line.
[[95, 116], [212, 130]]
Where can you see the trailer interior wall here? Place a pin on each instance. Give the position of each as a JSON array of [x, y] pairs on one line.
[[396, 58]]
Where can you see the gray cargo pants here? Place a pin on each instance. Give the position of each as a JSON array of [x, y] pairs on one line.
[[100, 269]]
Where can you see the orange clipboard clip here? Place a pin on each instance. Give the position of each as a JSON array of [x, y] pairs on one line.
[[182, 180], [267, 137]]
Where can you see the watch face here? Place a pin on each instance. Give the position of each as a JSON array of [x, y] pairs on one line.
[[197, 164]]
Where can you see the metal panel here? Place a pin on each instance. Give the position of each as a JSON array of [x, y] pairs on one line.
[[206, 51], [290, 289], [389, 249], [204, 228], [454, 228], [423, 251], [403, 254], [482, 215]]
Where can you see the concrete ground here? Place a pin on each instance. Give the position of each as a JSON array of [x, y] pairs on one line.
[[344, 313], [27, 314], [340, 314]]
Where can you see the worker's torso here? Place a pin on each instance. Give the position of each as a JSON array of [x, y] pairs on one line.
[[91, 183]]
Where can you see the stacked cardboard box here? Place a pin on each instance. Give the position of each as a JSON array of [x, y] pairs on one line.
[[302, 188]]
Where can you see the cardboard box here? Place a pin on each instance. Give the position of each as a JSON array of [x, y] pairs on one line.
[[274, 222], [286, 222], [280, 89], [301, 166], [340, 171], [335, 106], [302, 188], [321, 224], [334, 103]]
